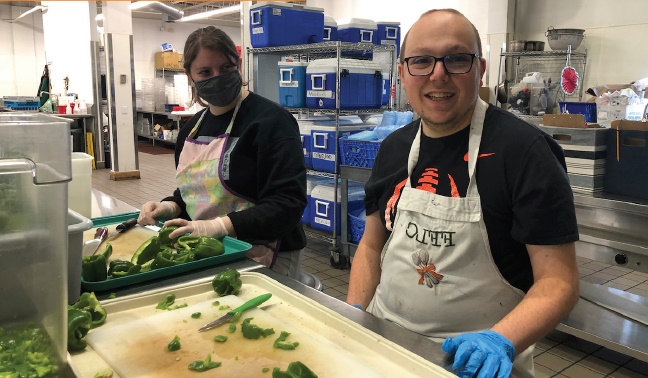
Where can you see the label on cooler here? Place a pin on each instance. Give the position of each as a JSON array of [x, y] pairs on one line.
[[276, 11], [322, 94], [322, 221], [387, 42], [258, 30], [323, 156], [289, 84]]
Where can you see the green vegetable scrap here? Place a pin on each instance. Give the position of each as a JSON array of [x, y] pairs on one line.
[[107, 373], [253, 331], [231, 328], [27, 351], [196, 315], [215, 303], [167, 302], [89, 302], [112, 296], [163, 235], [226, 307], [147, 251], [220, 338], [201, 246], [295, 370], [227, 282], [265, 370], [174, 344], [93, 268], [281, 342], [122, 268], [205, 365], [79, 323]]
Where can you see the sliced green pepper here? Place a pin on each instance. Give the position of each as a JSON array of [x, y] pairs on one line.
[[201, 246], [174, 344], [167, 258], [93, 268], [163, 235], [196, 315], [147, 251], [281, 343], [220, 338], [295, 370], [122, 268], [205, 365], [227, 282], [253, 331], [79, 322], [89, 302]]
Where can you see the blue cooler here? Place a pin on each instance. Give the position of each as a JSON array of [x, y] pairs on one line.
[[305, 133], [283, 24], [311, 183], [360, 84], [386, 89], [292, 84], [358, 30], [323, 143], [321, 205], [389, 34], [330, 29]]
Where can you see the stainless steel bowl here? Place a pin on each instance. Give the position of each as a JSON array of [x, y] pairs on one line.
[[516, 46], [561, 41]]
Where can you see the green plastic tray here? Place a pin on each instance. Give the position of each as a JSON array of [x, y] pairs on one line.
[[234, 250]]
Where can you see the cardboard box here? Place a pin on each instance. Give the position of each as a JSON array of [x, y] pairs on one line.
[[576, 121], [168, 60], [484, 93], [629, 125]]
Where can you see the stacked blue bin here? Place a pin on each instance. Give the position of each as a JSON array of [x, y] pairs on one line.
[[389, 34], [330, 29], [361, 84], [292, 84], [358, 30], [282, 24], [321, 205]]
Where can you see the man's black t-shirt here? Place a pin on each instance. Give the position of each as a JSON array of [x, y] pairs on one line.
[[521, 179]]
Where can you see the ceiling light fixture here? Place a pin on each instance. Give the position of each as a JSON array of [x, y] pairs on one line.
[[216, 12]]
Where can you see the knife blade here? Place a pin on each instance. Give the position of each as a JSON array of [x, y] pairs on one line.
[[252, 303], [123, 227], [90, 247]]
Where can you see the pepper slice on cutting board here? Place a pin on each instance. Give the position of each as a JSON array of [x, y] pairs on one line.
[[94, 268], [88, 302], [227, 282], [147, 251]]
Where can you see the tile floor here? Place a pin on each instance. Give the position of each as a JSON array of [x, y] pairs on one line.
[[557, 355]]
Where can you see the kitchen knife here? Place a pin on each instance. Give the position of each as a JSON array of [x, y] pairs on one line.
[[123, 227], [252, 303], [91, 246]]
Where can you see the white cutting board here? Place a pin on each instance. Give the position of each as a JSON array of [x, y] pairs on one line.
[[123, 245], [138, 348]]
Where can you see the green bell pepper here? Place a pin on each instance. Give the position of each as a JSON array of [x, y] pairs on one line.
[[227, 282], [93, 268], [122, 268], [163, 235], [167, 258], [174, 344], [147, 251], [89, 302], [79, 323], [205, 365], [201, 246], [281, 343], [295, 370], [253, 331]]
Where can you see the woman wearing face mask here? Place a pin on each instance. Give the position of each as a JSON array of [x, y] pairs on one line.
[[240, 166]]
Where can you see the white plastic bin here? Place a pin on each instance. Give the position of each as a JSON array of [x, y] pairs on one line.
[[80, 188]]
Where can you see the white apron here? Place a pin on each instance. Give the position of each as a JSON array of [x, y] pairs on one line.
[[438, 275], [203, 189]]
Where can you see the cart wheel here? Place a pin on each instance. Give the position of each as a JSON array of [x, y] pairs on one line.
[[341, 263]]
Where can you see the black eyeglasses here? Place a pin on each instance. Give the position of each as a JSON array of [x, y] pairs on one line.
[[453, 64]]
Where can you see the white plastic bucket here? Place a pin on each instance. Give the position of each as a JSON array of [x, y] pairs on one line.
[[80, 188]]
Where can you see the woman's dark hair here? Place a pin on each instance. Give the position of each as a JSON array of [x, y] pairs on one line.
[[210, 38]]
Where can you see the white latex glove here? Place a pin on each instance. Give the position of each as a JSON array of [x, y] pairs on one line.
[[214, 228], [153, 211]]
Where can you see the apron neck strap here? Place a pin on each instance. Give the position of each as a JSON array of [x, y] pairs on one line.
[[193, 131]]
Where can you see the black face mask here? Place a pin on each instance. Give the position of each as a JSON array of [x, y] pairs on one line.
[[220, 90]]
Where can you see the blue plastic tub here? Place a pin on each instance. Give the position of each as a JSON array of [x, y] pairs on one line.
[[322, 201], [284, 24], [292, 84], [588, 109], [330, 29], [358, 30], [389, 34], [361, 84]]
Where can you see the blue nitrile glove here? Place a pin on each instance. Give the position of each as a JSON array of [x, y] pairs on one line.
[[486, 352]]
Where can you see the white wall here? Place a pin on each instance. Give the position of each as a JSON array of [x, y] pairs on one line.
[[148, 36]]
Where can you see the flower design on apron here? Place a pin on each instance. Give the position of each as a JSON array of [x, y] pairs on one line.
[[426, 269]]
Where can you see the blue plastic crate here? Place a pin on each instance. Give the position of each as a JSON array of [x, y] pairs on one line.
[[356, 226], [21, 105], [283, 24], [358, 153], [587, 109]]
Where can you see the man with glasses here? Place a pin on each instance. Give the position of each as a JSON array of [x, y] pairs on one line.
[[470, 232]]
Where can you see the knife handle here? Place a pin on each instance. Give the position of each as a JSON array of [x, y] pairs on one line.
[[126, 225], [252, 303], [101, 233]]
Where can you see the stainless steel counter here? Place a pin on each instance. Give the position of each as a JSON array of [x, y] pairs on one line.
[[103, 205]]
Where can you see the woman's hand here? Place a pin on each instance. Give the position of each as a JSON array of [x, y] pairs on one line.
[[215, 228], [153, 211]]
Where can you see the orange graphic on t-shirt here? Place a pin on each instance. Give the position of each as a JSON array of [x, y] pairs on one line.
[[391, 204], [429, 180], [478, 156]]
